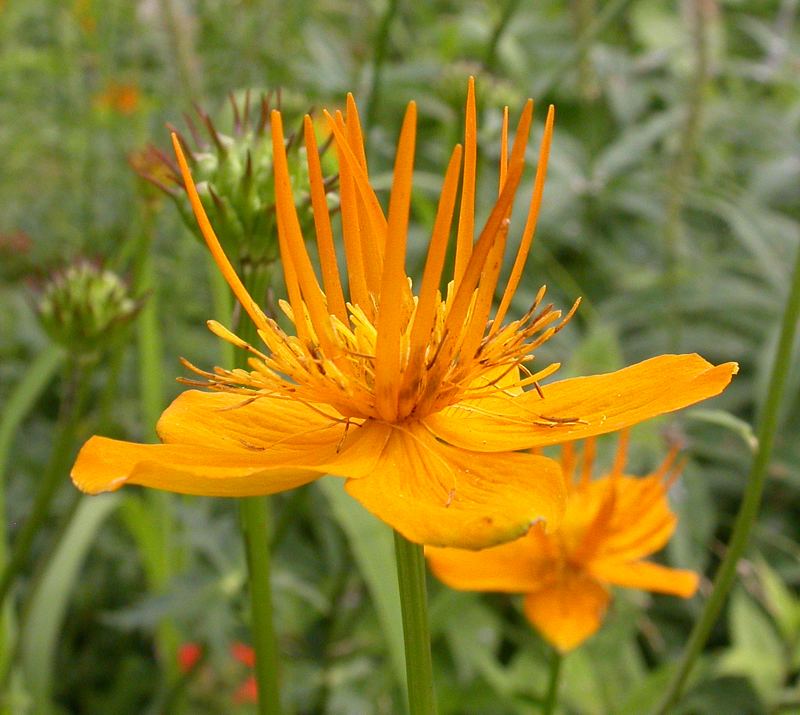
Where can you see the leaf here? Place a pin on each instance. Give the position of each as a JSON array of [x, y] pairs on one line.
[[372, 543], [50, 599], [757, 651]]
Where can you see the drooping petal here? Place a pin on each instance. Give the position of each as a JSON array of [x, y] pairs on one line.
[[581, 407], [569, 610], [647, 576], [105, 464], [518, 566], [435, 494], [219, 444]]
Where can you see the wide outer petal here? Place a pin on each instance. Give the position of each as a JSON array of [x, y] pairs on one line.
[[435, 494], [226, 420], [518, 566], [268, 447], [582, 406], [647, 576], [105, 464], [569, 610]]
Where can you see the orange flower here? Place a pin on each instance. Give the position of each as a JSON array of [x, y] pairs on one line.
[[419, 401], [121, 98], [609, 526]]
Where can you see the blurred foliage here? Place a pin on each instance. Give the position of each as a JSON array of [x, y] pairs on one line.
[[671, 207]]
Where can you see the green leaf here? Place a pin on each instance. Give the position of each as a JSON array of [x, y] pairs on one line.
[[372, 543], [50, 599], [757, 651]]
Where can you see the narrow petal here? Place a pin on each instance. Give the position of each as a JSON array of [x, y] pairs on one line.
[[582, 406], [647, 576], [435, 494], [569, 610], [518, 566]]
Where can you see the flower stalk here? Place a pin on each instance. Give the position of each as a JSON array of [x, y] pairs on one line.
[[551, 698], [255, 517], [414, 607], [748, 511]]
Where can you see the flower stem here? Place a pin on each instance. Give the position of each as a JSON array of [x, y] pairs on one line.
[[604, 19], [414, 607], [748, 511], [161, 559], [551, 698], [255, 516]]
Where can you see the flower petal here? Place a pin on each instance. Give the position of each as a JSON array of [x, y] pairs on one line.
[[582, 406], [232, 421], [218, 451], [647, 576], [435, 494], [107, 464], [640, 522], [569, 610], [518, 566], [275, 431]]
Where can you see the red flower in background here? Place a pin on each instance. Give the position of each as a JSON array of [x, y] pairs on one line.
[[189, 655]]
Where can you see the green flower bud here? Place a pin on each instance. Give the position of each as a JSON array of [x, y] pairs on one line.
[[233, 173], [86, 308]]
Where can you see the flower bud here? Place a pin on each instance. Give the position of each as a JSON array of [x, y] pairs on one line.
[[233, 173], [85, 307]]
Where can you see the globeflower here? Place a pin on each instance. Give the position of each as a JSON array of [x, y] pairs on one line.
[[610, 525], [423, 402]]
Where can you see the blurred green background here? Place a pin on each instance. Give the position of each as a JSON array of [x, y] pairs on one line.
[[672, 207]]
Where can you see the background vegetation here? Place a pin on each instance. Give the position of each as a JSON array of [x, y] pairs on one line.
[[671, 207]]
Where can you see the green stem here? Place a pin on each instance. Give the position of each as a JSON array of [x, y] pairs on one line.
[[490, 56], [607, 16], [751, 502], [680, 173], [551, 698], [255, 517], [54, 476], [379, 57], [161, 558], [414, 607]]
